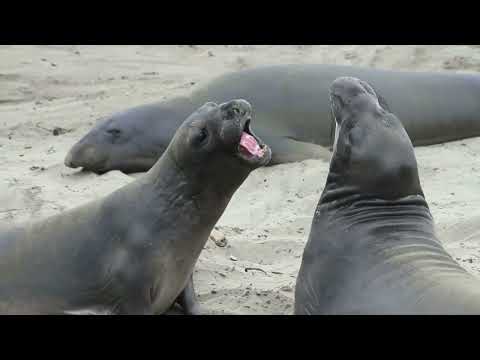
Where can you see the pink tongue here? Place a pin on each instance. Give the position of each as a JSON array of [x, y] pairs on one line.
[[249, 143]]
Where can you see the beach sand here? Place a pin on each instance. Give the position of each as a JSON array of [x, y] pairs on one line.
[[268, 220]]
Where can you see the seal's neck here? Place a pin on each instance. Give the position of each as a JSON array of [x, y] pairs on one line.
[[168, 176], [352, 208], [207, 189]]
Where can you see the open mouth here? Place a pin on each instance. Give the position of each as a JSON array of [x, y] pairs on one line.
[[250, 146]]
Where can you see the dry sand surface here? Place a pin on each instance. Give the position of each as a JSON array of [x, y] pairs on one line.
[[268, 220]]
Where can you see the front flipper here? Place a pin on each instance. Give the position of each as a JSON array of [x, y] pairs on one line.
[[188, 301]]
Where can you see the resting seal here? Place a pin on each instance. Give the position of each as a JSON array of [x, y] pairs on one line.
[[372, 247], [292, 113], [133, 252]]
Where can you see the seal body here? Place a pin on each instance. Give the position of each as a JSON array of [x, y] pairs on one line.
[[372, 247], [293, 113], [133, 252]]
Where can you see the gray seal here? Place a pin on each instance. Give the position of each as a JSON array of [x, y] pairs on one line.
[[372, 247], [292, 113], [134, 251]]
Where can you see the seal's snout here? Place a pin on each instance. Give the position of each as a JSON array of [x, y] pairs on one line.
[[238, 108], [244, 105], [237, 118], [349, 94], [69, 161], [85, 156], [347, 87]]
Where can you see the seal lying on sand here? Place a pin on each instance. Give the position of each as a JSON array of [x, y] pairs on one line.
[[372, 247], [292, 113], [133, 252]]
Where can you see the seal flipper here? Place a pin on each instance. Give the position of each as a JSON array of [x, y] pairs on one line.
[[188, 301]]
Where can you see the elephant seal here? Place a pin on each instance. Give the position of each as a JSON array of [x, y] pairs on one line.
[[133, 252], [372, 247], [292, 113]]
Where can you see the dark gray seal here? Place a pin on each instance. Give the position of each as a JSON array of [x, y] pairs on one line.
[[133, 252], [372, 247], [292, 113]]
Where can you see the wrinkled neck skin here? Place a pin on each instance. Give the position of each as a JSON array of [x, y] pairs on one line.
[[377, 256], [355, 210], [206, 192]]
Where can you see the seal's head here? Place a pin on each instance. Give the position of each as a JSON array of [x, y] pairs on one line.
[[129, 141], [216, 144], [372, 153], [220, 132]]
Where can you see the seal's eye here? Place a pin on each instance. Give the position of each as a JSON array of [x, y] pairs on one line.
[[114, 132], [236, 110], [202, 136]]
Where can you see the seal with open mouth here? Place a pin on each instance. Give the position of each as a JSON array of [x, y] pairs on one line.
[[134, 251]]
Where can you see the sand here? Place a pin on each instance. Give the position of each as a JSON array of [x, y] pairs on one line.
[[268, 220]]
